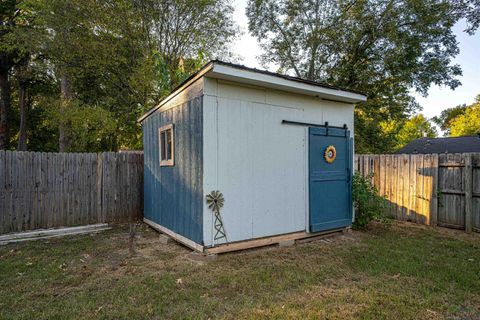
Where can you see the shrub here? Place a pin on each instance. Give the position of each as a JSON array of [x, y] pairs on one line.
[[368, 203]]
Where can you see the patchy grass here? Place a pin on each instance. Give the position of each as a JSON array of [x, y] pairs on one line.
[[389, 272]]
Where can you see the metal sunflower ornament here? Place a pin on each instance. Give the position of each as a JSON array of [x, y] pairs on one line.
[[330, 154], [215, 201]]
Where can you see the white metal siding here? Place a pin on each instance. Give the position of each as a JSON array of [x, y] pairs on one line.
[[259, 164]]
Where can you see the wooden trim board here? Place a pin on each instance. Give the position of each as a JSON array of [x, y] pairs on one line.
[[177, 237], [240, 245], [168, 129], [267, 241], [51, 233]]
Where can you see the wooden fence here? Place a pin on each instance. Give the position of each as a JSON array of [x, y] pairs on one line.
[[47, 190], [430, 189]]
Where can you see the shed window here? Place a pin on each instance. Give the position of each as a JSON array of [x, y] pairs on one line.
[[165, 135]]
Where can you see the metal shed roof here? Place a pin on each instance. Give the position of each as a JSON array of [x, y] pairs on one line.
[[242, 74]]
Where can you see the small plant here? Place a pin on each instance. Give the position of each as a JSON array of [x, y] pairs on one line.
[[368, 203]]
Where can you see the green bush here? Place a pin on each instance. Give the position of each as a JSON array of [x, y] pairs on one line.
[[368, 203]]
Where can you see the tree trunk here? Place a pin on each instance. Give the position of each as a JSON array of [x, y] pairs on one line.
[[23, 106], [65, 123], [4, 109]]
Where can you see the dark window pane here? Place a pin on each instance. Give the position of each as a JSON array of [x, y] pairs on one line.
[[169, 146], [162, 146]]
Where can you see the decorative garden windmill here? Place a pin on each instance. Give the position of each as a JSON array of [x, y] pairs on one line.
[[215, 202]]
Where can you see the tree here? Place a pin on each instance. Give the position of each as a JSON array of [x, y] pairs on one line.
[[178, 30], [467, 123], [19, 39], [472, 14], [414, 128], [23, 79], [8, 54], [460, 120], [35, 93], [110, 61], [444, 121], [385, 48], [82, 35]]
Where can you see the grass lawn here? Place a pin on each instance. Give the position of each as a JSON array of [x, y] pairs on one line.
[[400, 271]]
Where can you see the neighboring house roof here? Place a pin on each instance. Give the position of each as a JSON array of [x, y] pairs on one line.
[[239, 73], [442, 145]]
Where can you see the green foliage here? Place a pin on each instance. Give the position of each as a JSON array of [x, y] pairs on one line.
[[461, 120], [472, 8], [94, 128], [120, 59], [384, 48], [368, 203], [17, 40], [414, 128], [123, 56], [444, 121], [171, 78], [467, 124]]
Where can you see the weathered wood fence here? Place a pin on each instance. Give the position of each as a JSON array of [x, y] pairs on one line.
[[49, 190], [430, 189]]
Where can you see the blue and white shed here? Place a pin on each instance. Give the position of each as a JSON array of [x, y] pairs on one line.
[[278, 149]]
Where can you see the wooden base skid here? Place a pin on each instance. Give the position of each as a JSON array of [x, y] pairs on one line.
[[241, 245], [268, 241], [177, 237]]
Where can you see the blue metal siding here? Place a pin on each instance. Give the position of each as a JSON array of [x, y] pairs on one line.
[[173, 195]]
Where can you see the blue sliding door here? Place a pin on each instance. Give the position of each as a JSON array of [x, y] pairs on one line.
[[330, 185]]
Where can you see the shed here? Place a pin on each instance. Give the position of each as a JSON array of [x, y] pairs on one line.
[[278, 149]]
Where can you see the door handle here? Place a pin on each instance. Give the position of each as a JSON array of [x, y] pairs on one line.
[[348, 175]]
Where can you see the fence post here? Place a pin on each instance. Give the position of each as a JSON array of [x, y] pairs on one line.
[[468, 174]]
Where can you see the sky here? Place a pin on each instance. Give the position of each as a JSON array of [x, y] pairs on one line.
[[438, 99]]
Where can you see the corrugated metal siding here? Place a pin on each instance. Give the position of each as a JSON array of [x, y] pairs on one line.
[[173, 195]]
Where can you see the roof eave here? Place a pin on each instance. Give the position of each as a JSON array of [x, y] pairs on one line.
[[225, 71], [252, 77], [194, 77]]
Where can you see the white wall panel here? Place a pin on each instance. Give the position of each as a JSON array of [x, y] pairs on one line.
[[260, 169], [210, 152], [240, 92], [258, 163]]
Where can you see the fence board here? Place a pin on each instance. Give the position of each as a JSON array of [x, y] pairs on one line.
[[413, 188], [434, 200], [429, 189], [43, 190], [405, 186], [2, 191], [468, 192], [419, 195], [476, 192]]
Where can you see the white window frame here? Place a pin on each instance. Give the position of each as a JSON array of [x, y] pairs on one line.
[[167, 161]]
